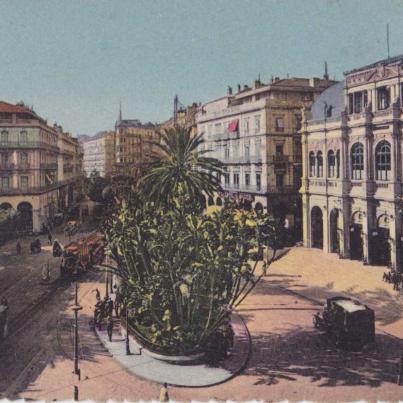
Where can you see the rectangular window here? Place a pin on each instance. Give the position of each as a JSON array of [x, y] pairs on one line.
[[23, 137], [279, 124], [383, 98], [247, 180], [279, 180], [279, 150], [246, 126], [258, 182], [247, 152], [236, 180], [226, 178], [226, 152], [4, 137], [217, 128], [357, 102], [5, 182], [257, 124], [24, 182]]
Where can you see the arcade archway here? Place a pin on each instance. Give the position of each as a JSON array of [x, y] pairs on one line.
[[380, 250], [356, 241], [25, 210], [334, 231], [317, 228]]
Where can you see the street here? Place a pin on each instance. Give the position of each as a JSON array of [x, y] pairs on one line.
[[289, 357]]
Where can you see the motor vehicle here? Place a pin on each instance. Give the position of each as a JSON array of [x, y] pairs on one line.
[[347, 321]]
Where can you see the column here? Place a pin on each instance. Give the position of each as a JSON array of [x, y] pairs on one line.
[[326, 229], [306, 221], [365, 239], [346, 221], [394, 240]]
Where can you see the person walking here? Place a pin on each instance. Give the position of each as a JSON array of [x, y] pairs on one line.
[[18, 248], [164, 396], [50, 238], [97, 294], [109, 327]]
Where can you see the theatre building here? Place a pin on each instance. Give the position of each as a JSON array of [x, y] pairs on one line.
[[352, 166]]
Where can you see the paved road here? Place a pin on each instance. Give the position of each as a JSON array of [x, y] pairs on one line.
[[290, 360]]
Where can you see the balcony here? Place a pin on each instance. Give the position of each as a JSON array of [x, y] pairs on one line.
[[28, 145], [278, 158], [48, 166], [10, 166], [29, 190], [242, 188]]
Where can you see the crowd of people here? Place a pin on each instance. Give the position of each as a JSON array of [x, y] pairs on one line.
[[395, 278]]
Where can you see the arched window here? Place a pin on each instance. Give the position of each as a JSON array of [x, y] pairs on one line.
[[338, 163], [382, 161], [312, 164], [331, 163], [319, 159], [357, 161]]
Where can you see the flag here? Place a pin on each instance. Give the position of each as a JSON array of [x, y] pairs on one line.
[[233, 126]]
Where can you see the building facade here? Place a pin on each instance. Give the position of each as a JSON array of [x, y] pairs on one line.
[[254, 132], [352, 176], [133, 146], [38, 166], [99, 154]]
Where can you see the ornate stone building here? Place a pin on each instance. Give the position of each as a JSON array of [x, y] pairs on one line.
[[40, 166], [352, 171], [254, 132]]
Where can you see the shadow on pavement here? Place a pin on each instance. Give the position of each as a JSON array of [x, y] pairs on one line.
[[308, 354]]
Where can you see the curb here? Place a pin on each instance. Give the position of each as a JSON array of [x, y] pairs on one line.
[[158, 369]]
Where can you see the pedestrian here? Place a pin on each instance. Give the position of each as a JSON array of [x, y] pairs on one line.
[[109, 327], [18, 248], [164, 396], [97, 294], [50, 238], [109, 307]]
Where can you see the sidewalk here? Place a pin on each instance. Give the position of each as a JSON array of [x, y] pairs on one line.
[[191, 375], [318, 275]]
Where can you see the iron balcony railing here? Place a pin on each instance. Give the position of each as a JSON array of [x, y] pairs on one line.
[[27, 144]]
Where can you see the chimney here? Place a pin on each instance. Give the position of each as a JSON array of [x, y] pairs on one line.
[[239, 87], [229, 90], [256, 84], [314, 81]]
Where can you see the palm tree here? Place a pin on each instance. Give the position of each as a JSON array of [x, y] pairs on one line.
[[178, 168]]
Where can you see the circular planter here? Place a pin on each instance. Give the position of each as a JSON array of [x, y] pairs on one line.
[[170, 359]]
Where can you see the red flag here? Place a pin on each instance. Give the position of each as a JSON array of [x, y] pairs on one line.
[[233, 126]]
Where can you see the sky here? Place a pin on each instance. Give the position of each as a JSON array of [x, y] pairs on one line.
[[76, 60]]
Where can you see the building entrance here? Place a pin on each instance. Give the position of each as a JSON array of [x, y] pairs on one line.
[[317, 227]]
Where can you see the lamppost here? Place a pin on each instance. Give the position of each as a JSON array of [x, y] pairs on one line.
[[106, 285], [76, 308], [127, 332]]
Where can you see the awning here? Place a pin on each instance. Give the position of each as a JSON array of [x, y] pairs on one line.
[[233, 126]]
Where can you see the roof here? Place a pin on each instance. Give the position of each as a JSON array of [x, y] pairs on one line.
[[332, 96], [390, 60], [5, 107], [350, 305], [133, 123]]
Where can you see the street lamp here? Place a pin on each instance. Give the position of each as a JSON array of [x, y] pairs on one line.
[[76, 308], [106, 285], [127, 332]]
